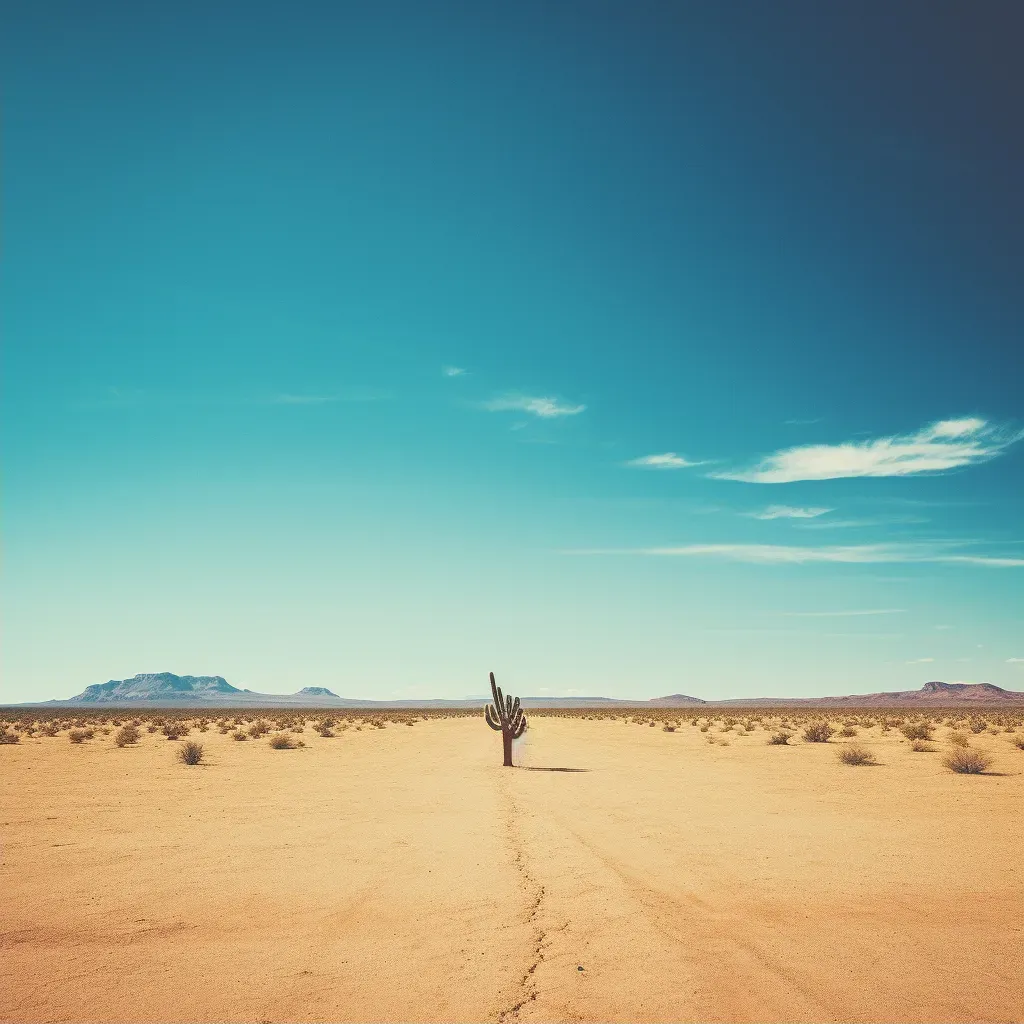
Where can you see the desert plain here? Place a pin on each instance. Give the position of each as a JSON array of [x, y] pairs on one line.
[[621, 872]]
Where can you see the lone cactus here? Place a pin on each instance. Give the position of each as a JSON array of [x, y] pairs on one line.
[[505, 716]]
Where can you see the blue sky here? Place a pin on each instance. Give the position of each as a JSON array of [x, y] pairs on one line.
[[623, 349]]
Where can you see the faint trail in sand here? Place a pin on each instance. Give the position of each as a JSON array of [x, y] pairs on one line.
[[534, 893]]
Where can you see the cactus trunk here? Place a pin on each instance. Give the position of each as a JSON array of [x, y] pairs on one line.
[[505, 716]]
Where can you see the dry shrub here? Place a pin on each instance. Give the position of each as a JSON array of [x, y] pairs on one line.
[[958, 739], [8, 737], [852, 753], [917, 730], [779, 739], [239, 735], [281, 741], [921, 747], [1018, 742], [175, 730], [848, 731], [190, 752], [818, 732], [967, 761], [76, 735], [668, 728], [126, 734], [977, 725]]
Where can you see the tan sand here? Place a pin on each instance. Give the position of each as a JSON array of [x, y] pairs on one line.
[[404, 875]]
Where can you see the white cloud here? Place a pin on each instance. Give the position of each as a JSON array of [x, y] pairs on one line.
[[782, 554], [667, 461], [945, 445], [867, 611], [453, 371], [920, 661], [1014, 661], [545, 408], [788, 512]]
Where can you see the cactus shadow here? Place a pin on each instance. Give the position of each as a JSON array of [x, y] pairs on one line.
[[530, 768]]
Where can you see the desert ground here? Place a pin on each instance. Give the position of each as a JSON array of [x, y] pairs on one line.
[[623, 873]]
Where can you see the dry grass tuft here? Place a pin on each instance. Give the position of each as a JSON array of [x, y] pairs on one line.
[[779, 739], [281, 741], [958, 739], [852, 753], [967, 761], [190, 752], [77, 735], [921, 747], [847, 731], [917, 730]]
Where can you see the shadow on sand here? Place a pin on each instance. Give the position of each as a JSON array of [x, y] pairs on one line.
[[528, 768]]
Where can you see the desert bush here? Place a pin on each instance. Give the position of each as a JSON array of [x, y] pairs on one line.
[[126, 734], [1018, 742], [958, 739], [238, 734], [76, 735], [779, 739], [852, 753], [848, 731], [281, 741], [668, 728], [967, 761], [8, 737], [325, 728], [921, 746], [917, 730], [818, 732], [175, 730], [977, 725], [51, 729], [190, 752]]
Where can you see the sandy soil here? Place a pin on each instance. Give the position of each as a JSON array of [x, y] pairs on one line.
[[404, 875]]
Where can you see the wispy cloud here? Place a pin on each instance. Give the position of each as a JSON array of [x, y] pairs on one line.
[[802, 423], [545, 407], [1014, 661], [942, 446], [669, 460], [865, 611], [920, 661], [783, 554], [788, 512], [454, 371]]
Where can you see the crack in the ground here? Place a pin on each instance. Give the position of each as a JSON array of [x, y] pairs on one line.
[[530, 885]]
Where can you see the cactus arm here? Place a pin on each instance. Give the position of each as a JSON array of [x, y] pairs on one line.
[[515, 708], [522, 728], [496, 694], [489, 715]]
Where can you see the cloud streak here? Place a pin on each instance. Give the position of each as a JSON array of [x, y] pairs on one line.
[[938, 448], [788, 512], [544, 407], [783, 554], [669, 460], [453, 371]]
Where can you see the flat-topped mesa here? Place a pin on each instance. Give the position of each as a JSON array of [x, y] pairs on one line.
[[963, 689], [156, 685], [506, 716], [315, 691]]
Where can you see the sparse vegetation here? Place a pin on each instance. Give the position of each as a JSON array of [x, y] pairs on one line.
[[818, 731], [779, 739], [76, 735], [282, 741], [8, 737], [126, 735], [958, 739], [921, 746], [917, 730], [190, 752], [968, 761], [852, 753]]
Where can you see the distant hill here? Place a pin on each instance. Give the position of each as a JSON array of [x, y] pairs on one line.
[[165, 689]]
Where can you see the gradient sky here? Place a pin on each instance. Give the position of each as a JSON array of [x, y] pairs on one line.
[[621, 348]]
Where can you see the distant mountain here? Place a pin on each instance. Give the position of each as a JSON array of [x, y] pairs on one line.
[[158, 686], [165, 689]]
